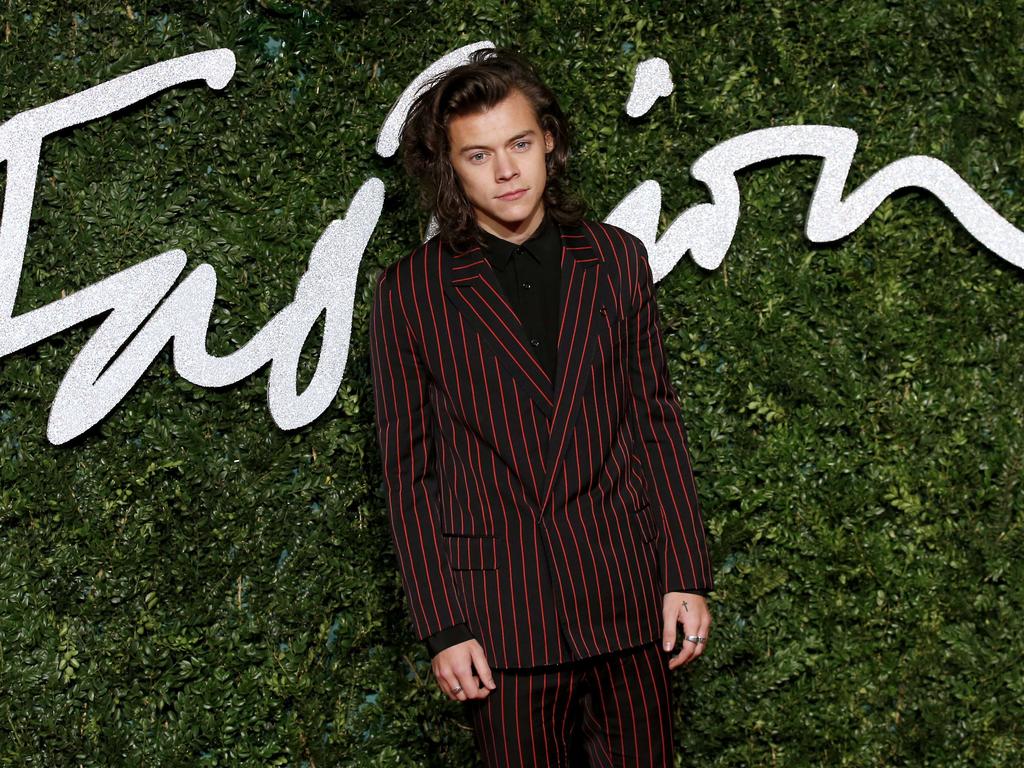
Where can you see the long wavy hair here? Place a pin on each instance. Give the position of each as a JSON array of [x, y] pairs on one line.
[[489, 77]]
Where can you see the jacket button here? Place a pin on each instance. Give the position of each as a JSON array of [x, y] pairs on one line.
[[527, 286], [535, 342], [604, 310]]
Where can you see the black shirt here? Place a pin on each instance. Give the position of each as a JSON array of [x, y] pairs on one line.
[[530, 275]]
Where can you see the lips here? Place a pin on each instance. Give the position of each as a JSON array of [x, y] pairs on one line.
[[510, 196]]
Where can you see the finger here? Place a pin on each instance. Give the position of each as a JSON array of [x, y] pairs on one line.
[[455, 691], [687, 647], [684, 655], [703, 631], [483, 669], [703, 624], [670, 621], [448, 682], [468, 682]]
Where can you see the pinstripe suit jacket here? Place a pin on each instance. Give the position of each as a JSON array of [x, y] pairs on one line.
[[550, 517]]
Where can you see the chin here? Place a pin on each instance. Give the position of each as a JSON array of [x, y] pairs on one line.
[[516, 216]]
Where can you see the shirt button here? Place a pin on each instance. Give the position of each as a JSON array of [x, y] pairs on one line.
[[527, 286], [535, 342]]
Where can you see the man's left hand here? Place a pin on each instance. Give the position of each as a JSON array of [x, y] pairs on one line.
[[691, 611]]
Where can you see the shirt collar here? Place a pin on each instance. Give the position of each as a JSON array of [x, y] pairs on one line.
[[545, 240]]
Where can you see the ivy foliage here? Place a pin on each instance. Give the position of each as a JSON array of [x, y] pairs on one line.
[[186, 584]]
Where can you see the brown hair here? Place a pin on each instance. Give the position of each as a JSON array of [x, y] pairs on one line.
[[489, 77]]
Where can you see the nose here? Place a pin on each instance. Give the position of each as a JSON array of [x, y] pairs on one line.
[[505, 167]]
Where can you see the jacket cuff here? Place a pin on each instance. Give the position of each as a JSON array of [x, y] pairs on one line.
[[446, 638], [692, 591]]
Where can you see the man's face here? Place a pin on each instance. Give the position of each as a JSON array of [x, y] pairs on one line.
[[498, 156]]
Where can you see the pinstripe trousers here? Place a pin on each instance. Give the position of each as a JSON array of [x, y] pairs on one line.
[[607, 711]]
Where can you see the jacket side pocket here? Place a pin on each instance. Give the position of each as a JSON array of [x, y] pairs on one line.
[[472, 553]]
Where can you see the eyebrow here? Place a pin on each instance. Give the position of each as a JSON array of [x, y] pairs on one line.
[[517, 137]]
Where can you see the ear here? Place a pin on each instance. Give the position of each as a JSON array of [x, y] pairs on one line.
[[549, 142]]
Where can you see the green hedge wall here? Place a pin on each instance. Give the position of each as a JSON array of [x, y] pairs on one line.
[[186, 584]]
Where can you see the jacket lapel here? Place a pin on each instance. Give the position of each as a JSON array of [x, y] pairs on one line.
[[585, 307], [472, 285]]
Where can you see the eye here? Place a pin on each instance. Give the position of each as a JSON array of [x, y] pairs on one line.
[[477, 157], [522, 144]]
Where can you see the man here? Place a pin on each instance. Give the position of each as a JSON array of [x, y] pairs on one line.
[[538, 483]]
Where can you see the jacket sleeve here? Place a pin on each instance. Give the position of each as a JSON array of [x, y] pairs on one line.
[[661, 442], [401, 385]]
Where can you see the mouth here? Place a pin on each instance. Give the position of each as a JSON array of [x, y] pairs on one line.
[[510, 196]]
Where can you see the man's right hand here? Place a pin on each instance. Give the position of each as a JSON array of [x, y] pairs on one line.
[[462, 673]]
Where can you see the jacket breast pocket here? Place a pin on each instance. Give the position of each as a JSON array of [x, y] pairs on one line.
[[647, 528], [472, 553], [618, 331]]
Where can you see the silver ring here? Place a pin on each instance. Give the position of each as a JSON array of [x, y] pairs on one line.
[[456, 689], [696, 639]]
